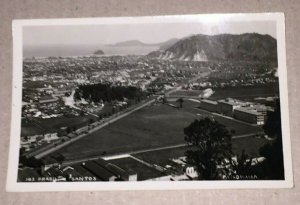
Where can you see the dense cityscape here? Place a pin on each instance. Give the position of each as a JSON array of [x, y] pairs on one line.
[[135, 118]]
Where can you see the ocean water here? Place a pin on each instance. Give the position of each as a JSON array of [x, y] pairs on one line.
[[81, 50]]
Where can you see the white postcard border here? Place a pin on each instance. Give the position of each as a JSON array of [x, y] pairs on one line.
[[13, 185]]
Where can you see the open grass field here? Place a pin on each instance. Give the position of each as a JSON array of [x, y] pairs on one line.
[[251, 146], [243, 93], [56, 123], [42, 126], [246, 93], [143, 172], [29, 128], [161, 157], [153, 126], [191, 93]]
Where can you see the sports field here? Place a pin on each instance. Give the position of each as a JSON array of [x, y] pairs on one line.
[[153, 126], [30, 128], [247, 93], [191, 93], [42, 126], [243, 93]]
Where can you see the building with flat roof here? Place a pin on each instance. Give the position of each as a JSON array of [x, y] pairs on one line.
[[70, 173], [101, 162], [209, 105], [49, 162], [125, 175], [227, 106], [250, 112], [84, 172], [249, 115], [54, 174], [99, 171]]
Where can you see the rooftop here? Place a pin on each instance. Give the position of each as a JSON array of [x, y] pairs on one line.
[[210, 102], [98, 171], [228, 101], [248, 110]]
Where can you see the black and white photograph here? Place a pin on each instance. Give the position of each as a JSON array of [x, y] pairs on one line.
[[163, 102]]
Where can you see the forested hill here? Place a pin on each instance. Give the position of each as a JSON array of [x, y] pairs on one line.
[[242, 47], [107, 93]]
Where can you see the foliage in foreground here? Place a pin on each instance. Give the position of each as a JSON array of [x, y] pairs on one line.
[[210, 151], [209, 145], [273, 166]]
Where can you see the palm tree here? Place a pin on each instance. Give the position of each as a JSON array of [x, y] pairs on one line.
[[180, 101], [243, 165]]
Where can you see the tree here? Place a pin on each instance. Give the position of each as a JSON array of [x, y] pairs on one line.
[[272, 126], [114, 110], [209, 145], [180, 101], [91, 121], [69, 130], [22, 151], [100, 117], [273, 166], [81, 113], [108, 92], [164, 99], [243, 165]]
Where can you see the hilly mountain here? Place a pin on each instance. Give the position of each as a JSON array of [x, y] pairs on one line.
[[243, 47], [162, 45], [167, 44], [128, 43]]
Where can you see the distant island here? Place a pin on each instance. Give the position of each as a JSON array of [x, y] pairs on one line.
[[128, 44], [99, 52]]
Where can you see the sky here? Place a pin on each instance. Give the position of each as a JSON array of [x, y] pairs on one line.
[[146, 32]]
